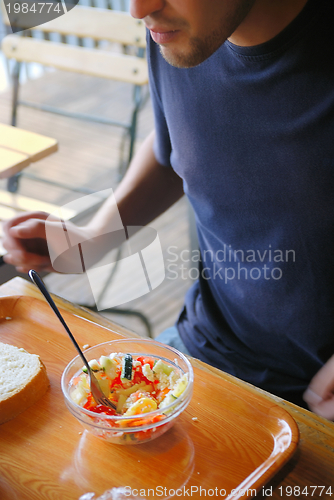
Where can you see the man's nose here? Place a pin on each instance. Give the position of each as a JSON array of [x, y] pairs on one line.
[[143, 8]]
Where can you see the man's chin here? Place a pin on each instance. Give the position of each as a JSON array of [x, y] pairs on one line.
[[181, 60]]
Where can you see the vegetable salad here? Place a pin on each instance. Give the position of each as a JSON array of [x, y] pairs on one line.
[[137, 384]]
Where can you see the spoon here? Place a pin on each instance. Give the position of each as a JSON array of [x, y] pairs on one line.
[[96, 391]]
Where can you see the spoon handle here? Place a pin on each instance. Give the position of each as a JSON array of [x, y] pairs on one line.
[[39, 283]]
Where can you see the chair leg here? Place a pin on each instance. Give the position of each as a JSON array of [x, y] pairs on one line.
[[8, 32], [13, 182], [16, 85], [130, 133]]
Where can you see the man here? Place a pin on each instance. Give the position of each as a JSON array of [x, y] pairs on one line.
[[243, 97]]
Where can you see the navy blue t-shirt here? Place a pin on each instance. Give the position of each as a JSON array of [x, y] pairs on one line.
[[251, 133]]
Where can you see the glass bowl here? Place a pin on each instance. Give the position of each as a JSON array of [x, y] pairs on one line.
[[125, 429]]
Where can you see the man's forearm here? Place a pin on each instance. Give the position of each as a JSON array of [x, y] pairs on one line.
[[147, 190]]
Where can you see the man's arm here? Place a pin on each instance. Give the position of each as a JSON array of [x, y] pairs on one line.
[[147, 190]]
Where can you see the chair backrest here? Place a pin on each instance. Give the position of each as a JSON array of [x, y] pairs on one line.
[[93, 62], [95, 23], [86, 22]]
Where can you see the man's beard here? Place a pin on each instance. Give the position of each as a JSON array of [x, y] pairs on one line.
[[201, 49]]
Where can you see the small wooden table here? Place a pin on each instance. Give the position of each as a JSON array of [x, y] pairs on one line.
[[308, 474], [19, 148]]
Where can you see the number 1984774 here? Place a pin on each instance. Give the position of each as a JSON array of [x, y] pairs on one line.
[[313, 491], [38, 7]]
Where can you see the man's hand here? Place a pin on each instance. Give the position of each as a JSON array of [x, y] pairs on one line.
[[320, 394], [25, 242], [37, 240]]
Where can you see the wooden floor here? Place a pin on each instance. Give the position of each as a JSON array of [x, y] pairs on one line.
[[88, 157]]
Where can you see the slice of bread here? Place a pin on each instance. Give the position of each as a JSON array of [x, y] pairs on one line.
[[23, 381]]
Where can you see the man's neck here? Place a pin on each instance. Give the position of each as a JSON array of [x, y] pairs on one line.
[[266, 19]]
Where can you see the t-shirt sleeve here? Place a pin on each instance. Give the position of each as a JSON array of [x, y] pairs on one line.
[[162, 144]]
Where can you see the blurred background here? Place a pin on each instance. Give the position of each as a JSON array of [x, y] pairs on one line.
[[93, 156]]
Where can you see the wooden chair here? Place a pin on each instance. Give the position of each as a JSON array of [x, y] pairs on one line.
[[96, 24]]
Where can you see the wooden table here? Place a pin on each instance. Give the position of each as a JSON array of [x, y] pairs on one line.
[[19, 148], [310, 471]]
